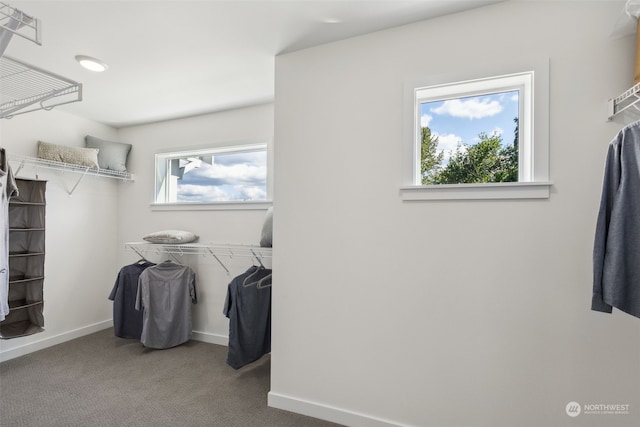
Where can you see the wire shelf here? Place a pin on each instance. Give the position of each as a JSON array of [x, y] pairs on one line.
[[25, 88], [20, 24], [66, 167], [625, 101], [216, 250]]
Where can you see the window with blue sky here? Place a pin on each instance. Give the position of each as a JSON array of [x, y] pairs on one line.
[[229, 177], [458, 122], [470, 135], [228, 174]]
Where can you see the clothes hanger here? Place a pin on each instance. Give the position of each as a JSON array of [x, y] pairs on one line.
[[258, 268], [260, 282], [246, 279]]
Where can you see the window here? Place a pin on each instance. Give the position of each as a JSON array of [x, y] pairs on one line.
[[474, 138], [235, 174]]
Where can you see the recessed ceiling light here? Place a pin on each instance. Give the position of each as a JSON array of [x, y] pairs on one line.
[[331, 21], [92, 64]]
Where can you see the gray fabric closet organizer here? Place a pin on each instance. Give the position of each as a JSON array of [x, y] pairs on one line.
[[26, 260]]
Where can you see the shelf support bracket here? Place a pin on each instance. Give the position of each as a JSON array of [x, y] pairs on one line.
[[136, 250], [78, 182], [257, 258], [218, 259], [19, 168]]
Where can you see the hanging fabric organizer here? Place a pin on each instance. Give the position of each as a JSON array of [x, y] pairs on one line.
[[26, 260]]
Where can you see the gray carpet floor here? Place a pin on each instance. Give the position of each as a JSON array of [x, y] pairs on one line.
[[100, 380]]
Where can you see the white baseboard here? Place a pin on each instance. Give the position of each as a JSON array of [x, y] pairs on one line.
[[51, 341], [210, 338], [45, 342], [326, 412]]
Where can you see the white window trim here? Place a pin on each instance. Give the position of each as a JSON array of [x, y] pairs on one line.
[[534, 177], [224, 147], [213, 206], [490, 190]]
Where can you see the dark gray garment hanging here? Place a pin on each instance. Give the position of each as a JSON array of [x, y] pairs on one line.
[[127, 321], [248, 307]]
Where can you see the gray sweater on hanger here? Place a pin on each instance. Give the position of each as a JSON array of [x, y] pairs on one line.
[[616, 253]]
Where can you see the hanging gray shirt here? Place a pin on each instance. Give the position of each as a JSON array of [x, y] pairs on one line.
[[165, 294], [616, 253]]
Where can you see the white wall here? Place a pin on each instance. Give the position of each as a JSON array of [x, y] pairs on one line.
[[450, 313], [136, 219], [81, 232]]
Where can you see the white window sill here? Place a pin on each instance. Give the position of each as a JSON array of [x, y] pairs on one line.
[[214, 206], [488, 191]]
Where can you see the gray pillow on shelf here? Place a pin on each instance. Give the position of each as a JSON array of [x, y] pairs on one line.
[[111, 155], [171, 237], [266, 238]]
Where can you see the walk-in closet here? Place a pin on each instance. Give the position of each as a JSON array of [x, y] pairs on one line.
[[310, 213]]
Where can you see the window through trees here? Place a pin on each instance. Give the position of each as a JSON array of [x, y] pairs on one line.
[[471, 132]]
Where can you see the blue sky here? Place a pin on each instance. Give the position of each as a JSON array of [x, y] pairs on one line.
[[231, 177], [461, 120]]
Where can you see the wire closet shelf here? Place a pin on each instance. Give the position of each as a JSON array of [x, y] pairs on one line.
[[25, 88], [218, 251], [625, 101], [21, 161], [20, 24], [66, 167]]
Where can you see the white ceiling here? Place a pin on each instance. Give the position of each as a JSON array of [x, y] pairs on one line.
[[170, 59]]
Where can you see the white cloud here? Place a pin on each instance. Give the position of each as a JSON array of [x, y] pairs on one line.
[[425, 120], [199, 193], [448, 144], [236, 173], [253, 193], [473, 108]]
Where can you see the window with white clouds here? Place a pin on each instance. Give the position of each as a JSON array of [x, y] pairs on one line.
[[478, 138], [471, 139], [229, 174]]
